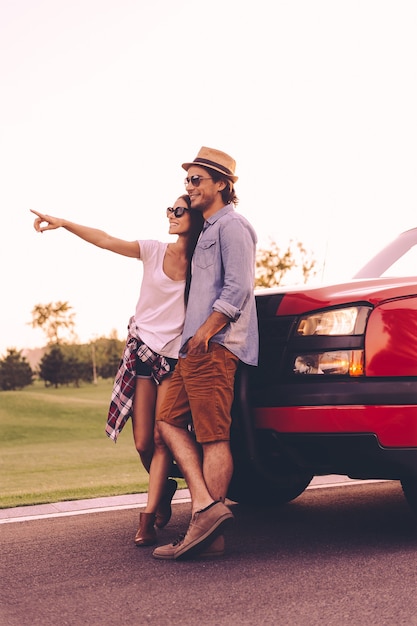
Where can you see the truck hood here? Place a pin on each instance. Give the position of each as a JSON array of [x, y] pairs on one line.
[[298, 299]]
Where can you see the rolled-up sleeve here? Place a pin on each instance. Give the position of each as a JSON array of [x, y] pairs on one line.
[[237, 246], [220, 306]]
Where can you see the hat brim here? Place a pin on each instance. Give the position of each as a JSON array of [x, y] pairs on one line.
[[186, 166]]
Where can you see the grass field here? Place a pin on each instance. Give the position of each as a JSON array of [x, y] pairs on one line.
[[53, 447]]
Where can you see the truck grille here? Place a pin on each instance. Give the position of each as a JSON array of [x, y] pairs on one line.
[[274, 334]]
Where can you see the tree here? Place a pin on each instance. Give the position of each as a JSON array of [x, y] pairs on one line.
[[63, 365], [101, 356], [108, 354], [52, 367], [53, 318], [77, 363], [76, 370], [272, 265], [15, 371]]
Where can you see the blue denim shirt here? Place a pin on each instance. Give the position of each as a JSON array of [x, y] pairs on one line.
[[223, 279]]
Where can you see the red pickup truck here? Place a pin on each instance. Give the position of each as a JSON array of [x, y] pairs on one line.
[[335, 391]]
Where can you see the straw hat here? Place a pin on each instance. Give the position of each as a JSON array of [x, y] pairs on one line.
[[215, 160]]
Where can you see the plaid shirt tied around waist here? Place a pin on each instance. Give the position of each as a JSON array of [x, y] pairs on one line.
[[124, 384]]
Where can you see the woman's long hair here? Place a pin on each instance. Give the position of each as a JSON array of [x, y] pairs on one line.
[[197, 222]]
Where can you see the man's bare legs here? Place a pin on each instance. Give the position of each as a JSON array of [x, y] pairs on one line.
[[208, 515], [217, 455], [205, 482]]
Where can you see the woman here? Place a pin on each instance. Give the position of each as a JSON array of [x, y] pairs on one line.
[[152, 345]]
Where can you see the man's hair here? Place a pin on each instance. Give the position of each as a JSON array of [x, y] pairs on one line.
[[228, 193]]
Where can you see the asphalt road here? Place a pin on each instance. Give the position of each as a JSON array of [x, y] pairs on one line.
[[335, 556]]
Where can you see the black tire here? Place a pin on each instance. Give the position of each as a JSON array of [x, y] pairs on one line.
[[409, 486], [248, 487]]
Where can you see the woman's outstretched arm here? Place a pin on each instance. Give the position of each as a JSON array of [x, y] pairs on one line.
[[95, 236]]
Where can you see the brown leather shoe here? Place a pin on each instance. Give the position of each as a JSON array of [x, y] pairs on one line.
[[146, 535], [203, 525], [215, 548], [164, 512]]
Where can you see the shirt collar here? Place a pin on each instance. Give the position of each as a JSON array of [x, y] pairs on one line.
[[216, 216]]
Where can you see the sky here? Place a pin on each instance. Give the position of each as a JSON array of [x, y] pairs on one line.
[[102, 100]]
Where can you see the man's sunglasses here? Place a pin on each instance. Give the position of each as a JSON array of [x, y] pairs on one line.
[[178, 211], [195, 180]]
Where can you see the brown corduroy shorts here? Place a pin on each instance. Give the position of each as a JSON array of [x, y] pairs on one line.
[[201, 391]]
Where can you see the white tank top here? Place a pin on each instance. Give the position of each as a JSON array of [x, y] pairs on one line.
[[160, 309]]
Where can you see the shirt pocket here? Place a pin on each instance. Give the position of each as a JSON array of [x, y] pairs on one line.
[[205, 254]]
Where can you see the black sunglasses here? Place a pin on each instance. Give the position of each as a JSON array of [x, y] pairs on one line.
[[178, 211], [195, 180]]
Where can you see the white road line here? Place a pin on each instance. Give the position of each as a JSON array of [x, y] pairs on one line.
[[182, 497]]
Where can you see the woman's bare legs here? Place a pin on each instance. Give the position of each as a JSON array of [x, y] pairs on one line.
[[155, 456], [143, 419], [161, 460]]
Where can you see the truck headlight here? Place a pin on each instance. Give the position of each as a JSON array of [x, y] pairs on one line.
[[344, 321], [339, 362]]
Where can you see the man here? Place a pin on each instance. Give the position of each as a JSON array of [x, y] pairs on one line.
[[220, 330]]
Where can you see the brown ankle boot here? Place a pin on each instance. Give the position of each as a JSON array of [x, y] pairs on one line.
[[146, 535]]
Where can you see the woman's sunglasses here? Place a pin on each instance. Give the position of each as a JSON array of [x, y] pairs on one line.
[[178, 211]]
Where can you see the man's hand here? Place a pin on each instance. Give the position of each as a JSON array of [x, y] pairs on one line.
[[198, 344]]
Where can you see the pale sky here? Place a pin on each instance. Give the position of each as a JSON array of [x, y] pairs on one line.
[[102, 100]]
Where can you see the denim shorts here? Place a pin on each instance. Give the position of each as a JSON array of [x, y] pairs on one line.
[[144, 370], [202, 386]]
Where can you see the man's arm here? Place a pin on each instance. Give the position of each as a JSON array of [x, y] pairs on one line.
[[199, 342]]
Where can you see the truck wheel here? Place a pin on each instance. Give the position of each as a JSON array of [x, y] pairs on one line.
[[249, 487], [409, 486]]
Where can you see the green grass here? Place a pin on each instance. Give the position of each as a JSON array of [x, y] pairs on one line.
[[53, 447]]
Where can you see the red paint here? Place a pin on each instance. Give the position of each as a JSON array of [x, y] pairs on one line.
[[394, 426]]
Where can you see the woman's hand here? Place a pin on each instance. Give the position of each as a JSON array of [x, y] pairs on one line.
[[46, 222]]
